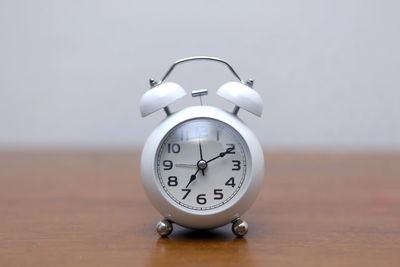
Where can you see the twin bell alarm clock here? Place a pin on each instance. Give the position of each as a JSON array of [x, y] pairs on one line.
[[202, 167]]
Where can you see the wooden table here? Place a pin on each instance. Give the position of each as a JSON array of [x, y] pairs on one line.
[[89, 208]]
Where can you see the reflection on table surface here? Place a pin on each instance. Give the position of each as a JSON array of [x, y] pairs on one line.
[[186, 246]]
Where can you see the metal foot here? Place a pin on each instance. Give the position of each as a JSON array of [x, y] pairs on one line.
[[239, 227], [164, 228]]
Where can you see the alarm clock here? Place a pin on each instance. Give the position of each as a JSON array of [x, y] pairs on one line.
[[202, 167]]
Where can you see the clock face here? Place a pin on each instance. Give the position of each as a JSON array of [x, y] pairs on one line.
[[201, 164]]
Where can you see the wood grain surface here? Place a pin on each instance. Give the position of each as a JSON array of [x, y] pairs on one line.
[[66, 208]]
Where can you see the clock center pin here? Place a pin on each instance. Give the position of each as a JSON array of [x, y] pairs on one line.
[[202, 164]]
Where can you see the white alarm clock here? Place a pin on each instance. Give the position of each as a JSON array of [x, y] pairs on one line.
[[202, 167]]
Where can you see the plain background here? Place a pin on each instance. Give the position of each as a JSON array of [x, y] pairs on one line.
[[72, 72]]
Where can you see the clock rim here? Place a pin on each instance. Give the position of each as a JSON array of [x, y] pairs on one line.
[[209, 218]]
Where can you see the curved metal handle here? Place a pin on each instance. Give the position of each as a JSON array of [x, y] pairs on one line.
[[200, 58]]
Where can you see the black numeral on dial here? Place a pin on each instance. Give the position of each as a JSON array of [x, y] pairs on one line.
[[167, 165], [172, 181], [218, 194], [174, 148], [236, 165], [232, 147], [201, 199], [230, 182], [187, 192]]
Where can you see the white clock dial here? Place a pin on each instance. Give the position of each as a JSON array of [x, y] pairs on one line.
[[201, 164]]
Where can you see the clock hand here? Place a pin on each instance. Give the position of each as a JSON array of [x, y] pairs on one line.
[[201, 155], [192, 177], [221, 155], [185, 165]]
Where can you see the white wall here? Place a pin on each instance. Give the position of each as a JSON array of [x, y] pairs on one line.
[[72, 72]]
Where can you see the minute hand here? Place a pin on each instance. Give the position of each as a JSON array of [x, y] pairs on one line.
[[221, 155]]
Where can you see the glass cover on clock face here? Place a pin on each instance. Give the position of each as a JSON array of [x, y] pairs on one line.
[[201, 164]]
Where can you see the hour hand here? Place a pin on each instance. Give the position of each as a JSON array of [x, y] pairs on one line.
[[192, 178]]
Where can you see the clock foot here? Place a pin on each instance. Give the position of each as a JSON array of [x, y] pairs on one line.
[[164, 228], [239, 227]]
